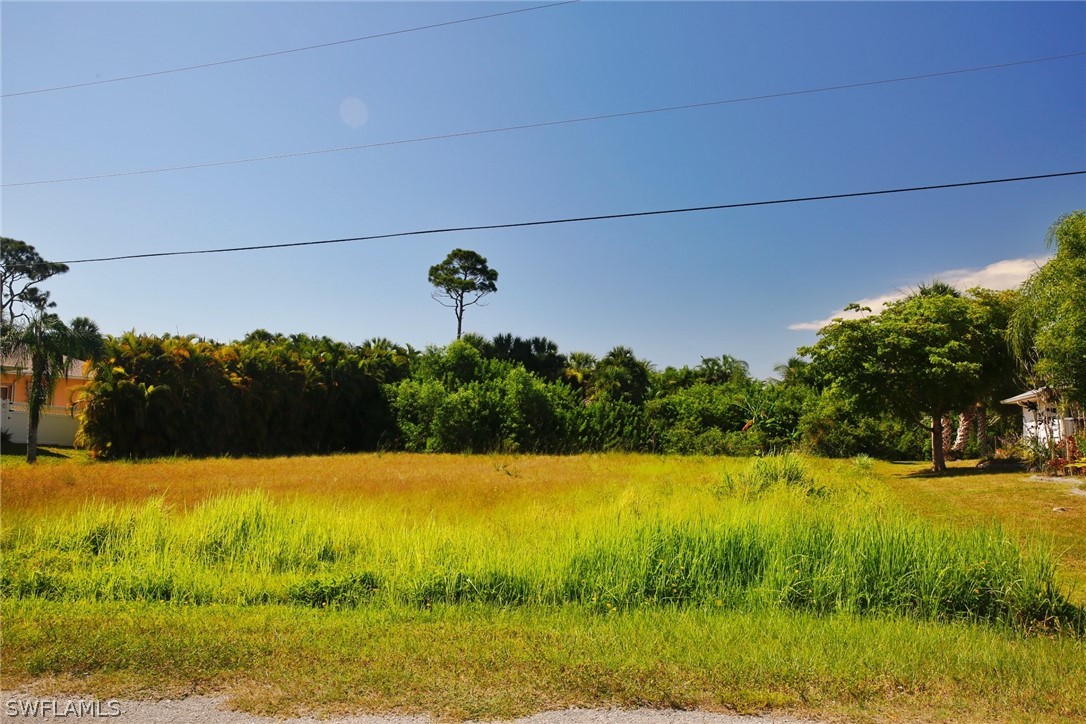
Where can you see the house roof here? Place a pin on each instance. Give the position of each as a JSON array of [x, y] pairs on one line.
[[21, 366], [1041, 393]]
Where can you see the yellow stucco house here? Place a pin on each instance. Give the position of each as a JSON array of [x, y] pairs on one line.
[[58, 424]]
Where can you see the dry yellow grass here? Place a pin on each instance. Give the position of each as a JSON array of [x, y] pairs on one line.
[[419, 481]]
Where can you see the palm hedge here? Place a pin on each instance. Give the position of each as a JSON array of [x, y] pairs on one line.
[[268, 394]]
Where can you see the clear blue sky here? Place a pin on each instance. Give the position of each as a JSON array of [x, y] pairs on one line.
[[673, 288]]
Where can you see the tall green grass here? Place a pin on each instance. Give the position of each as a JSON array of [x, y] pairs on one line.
[[772, 536]]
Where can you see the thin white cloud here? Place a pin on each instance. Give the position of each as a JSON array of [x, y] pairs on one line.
[[1006, 274], [875, 304]]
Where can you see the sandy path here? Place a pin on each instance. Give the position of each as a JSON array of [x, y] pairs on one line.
[[211, 710]]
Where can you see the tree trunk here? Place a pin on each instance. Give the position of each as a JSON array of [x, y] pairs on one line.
[[982, 430], [938, 461], [32, 438], [34, 403], [948, 432], [459, 309], [965, 424]]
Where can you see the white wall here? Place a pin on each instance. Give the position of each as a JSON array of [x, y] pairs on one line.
[[57, 425], [1046, 425]]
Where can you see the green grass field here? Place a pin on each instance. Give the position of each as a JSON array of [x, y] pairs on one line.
[[493, 586]]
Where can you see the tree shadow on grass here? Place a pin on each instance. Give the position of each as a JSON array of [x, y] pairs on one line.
[[18, 449], [969, 472], [958, 471]]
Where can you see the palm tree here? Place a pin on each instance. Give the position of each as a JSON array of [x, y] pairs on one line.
[[579, 369], [385, 360], [792, 372], [50, 346], [724, 369], [620, 375], [936, 288]]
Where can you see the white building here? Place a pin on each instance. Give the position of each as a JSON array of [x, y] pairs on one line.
[[1041, 420]]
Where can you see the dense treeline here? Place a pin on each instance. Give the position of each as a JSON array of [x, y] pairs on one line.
[[924, 375], [272, 394]]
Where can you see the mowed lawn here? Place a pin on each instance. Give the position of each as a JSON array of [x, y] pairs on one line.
[[495, 586]]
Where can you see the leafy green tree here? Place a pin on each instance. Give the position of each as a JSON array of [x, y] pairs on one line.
[[50, 346], [921, 357], [621, 376], [538, 355], [999, 373], [461, 281], [1048, 328], [612, 425], [21, 267], [773, 414], [833, 426], [700, 419], [459, 401], [454, 365], [476, 340], [672, 380], [715, 408]]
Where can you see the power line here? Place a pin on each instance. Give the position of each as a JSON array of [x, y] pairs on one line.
[[542, 124], [579, 219], [283, 52]]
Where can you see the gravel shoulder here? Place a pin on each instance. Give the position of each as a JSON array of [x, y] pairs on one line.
[[17, 706]]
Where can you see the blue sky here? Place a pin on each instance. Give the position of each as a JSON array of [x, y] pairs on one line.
[[747, 282]]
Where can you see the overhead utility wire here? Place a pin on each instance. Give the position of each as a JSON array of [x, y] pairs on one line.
[[577, 219], [541, 124], [283, 52]]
